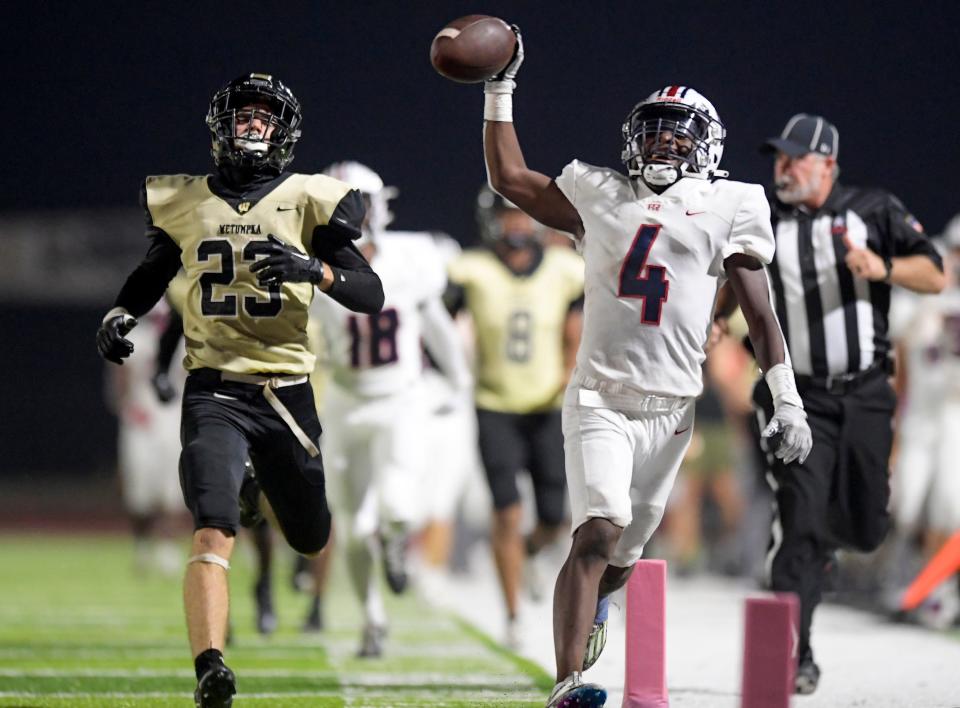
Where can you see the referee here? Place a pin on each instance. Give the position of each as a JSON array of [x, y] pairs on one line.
[[839, 251]]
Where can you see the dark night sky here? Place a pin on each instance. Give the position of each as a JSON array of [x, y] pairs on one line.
[[114, 91]]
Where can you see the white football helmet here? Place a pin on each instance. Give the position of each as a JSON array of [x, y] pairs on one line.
[[951, 233], [685, 113], [375, 194]]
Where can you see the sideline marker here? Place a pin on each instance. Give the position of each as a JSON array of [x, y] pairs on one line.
[[770, 650], [645, 683], [944, 563]]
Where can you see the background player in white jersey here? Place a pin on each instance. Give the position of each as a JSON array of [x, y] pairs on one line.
[[149, 449], [657, 245], [375, 407], [925, 486]]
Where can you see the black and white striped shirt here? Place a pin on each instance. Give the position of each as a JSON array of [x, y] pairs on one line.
[[835, 323]]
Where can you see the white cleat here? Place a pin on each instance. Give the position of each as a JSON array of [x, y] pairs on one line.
[[573, 692]]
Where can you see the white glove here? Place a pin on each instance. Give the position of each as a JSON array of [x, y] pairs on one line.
[[795, 436], [505, 81]]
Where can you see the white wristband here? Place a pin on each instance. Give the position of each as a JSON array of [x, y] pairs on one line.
[[116, 312], [498, 100], [498, 107], [783, 387]]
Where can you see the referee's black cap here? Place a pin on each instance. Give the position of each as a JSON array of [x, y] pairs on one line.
[[805, 133]]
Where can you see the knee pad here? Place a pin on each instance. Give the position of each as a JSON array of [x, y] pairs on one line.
[[211, 558]]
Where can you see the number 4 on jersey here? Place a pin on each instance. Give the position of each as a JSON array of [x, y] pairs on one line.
[[651, 286]]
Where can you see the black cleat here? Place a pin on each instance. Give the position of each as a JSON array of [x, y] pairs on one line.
[[216, 688], [250, 513], [395, 561], [808, 675]]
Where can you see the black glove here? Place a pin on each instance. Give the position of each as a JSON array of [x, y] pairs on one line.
[[111, 340], [163, 387], [285, 264]]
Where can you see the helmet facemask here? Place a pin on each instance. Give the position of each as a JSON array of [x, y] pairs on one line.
[[257, 96], [664, 141]]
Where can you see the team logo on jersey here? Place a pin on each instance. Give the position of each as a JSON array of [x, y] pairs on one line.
[[243, 207]]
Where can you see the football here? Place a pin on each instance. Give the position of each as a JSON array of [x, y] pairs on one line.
[[472, 48]]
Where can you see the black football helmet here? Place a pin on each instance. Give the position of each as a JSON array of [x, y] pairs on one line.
[[254, 152], [489, 205]]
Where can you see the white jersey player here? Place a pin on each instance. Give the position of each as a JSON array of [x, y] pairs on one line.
[[925, 486], [375, 408], [657, 245], [149, 447]]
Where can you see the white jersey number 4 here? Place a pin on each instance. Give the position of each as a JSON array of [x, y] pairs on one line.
[[652, 286]]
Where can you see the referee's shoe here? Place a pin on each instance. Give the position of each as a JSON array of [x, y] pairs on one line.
[[808, 675]]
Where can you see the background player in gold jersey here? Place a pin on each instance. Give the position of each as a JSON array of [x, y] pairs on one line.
[[254, 241], [524, 301]]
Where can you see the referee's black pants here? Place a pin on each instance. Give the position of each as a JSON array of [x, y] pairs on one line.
[[838, 497]]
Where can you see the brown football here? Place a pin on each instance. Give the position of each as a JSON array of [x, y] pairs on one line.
[[472, 48]]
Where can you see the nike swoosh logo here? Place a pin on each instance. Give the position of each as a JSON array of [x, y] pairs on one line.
[[299, 255], [681, 432], [694, 213], [286, 208], [223, 396]]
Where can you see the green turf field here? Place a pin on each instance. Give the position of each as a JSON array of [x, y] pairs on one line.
[[79, 628]]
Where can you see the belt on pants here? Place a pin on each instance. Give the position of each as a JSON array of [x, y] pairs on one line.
[[268, 384], [840, 384]]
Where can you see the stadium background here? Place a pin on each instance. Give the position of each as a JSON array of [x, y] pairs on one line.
[[100, 94]]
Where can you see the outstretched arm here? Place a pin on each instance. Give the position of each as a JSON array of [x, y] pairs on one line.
[[532, 191], [749, 283]]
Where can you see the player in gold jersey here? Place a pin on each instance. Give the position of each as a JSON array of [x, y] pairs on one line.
[[524, 300], [255, 241]]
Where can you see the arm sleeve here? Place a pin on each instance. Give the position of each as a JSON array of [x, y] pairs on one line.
[[169, 339], [146, 284], [907, 237], [751, 232], [443, 343], [355, 285]]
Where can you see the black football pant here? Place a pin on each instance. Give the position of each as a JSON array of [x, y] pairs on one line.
[[511, 442], [838, 497], [224, 422]]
